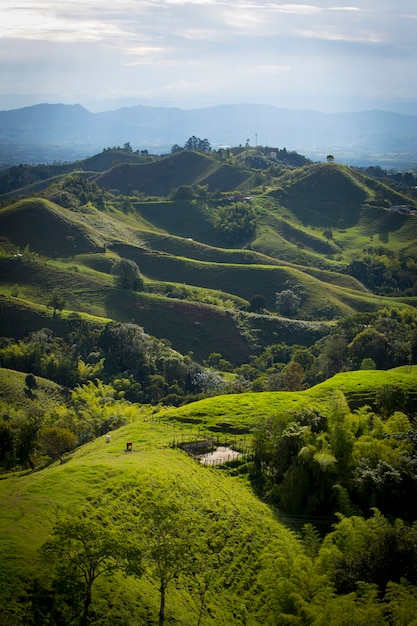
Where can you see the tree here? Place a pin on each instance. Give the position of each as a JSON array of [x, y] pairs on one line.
[[127, 275], [257, 303], [293, 376], [31, 382], [235, 221], [27, 440], [82, 549], [287, 302], [56, 302], [56, 441], [197, 144], [183, 192], [369, 343], [390, 398], [170, 539], [7, 445]]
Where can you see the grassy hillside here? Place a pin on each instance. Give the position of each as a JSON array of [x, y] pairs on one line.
[[259, 553], [46, 228], [103, 472], [13, 393], [240, 413], [311, 223], [159, 178]]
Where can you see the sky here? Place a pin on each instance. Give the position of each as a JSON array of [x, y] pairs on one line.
[[330, 55]]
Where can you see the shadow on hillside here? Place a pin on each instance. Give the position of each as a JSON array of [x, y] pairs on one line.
[[326, 214]]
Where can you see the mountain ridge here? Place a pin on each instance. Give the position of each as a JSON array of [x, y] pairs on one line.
[[350, 136]]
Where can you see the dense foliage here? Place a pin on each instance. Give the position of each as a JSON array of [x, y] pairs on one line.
[[236, 221], [315, 464]]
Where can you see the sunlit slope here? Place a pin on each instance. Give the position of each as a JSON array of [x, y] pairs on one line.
[[104, 472], [240, 413]]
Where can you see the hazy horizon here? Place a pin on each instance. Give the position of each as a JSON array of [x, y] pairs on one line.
[[325, 55]]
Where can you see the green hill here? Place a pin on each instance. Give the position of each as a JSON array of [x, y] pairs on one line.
[[252, 564], [160, 177], [46, 228], [30, 505], [193, 272]]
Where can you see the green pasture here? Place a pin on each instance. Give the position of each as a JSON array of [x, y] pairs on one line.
[[240, 413], [101, 473]]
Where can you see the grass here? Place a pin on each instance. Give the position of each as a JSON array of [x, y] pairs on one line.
[[240, 413], [13, 393], [179, 253], [100, 471]]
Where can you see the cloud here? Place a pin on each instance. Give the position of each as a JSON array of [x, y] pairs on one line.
[[201, 49], [364, 37]]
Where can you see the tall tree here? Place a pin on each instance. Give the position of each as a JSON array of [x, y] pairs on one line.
[[170, 539]]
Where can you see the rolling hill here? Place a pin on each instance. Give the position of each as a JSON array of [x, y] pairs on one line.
[[311, 222]]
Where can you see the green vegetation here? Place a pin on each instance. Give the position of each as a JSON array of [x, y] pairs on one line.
[[244, 303]]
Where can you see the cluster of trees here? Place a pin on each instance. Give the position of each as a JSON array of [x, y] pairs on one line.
[[235, 221], [381, 340], [314, 464], [75, 191], [23, 175], [385, 272], [152, 372], [361, 573], [33, 436], [193, 143], [264, 157], [402, 181]]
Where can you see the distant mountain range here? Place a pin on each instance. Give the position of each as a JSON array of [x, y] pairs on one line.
[[47, 132]]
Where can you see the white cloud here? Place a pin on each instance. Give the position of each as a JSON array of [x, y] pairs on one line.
[[201, 49], [364, 37]]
